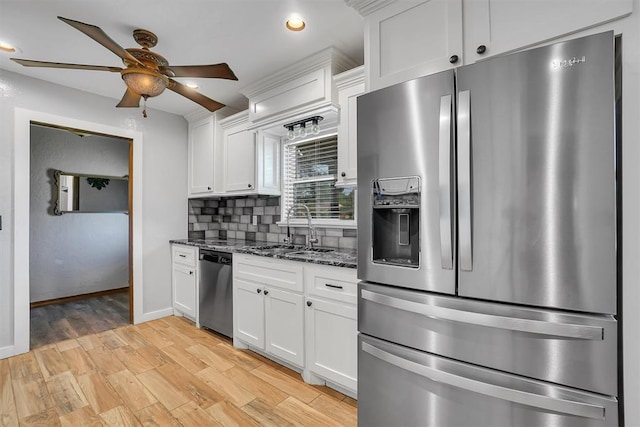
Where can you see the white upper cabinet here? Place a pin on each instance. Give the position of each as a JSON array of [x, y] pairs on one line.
[[204, 164], [350, 84], [498, 26], [239, 154], [268, 169], [251, 159], [405, 39], [298, 89], [201, 156]]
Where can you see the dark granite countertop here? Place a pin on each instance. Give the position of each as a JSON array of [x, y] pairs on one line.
[[327, 256]]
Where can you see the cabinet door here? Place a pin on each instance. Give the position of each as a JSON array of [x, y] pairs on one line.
[[201, 138], [248, 313], [284, 319], [184, 289], [348, 133], [240, 159], [332, 341], [268, 156], [409, 39], [502, 26]]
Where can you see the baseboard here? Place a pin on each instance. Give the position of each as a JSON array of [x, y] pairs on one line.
[[7, 351], [78, 297], [153, 315]]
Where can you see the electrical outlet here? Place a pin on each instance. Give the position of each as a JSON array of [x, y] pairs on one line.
[[254, 220]]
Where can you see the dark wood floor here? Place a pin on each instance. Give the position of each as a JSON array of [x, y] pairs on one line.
[[58, 322]]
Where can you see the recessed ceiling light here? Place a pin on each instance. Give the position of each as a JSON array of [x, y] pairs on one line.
[[192, 85], [295, 23], [6, 47]]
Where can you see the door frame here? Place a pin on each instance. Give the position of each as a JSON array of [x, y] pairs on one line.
[[21, 186]]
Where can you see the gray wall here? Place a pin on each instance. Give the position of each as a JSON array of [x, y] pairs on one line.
[[163, 175], [231, 218], [74, 254]]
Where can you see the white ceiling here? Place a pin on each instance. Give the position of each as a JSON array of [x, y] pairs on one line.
[[249, 35]]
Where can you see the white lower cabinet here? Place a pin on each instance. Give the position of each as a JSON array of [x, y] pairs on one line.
[[301, 314], [332, 341], [284, 326], [249, 322], [184, 280], [268, 307]]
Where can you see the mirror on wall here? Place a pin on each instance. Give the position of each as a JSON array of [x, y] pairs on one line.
[[78, 193]]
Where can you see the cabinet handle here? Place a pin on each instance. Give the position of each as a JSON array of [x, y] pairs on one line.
[[182, 256], [209, 188], [481, 49], [258, 290], [266, 292], [343, 174], [329, 285], [309, 303], [249, 185], [453, 59], [191, 272]]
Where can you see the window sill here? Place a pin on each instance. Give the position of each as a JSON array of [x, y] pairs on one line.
[[320, 223]]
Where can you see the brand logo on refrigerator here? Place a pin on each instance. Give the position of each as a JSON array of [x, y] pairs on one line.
[[567, 63]]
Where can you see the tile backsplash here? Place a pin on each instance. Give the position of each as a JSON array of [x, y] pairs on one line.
[[232, 218]]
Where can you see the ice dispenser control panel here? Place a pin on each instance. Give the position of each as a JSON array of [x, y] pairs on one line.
[[396, 221]]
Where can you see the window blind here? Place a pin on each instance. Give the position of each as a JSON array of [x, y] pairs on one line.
[[310, 172]]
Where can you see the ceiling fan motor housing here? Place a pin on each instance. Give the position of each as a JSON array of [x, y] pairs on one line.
[[145, 38]]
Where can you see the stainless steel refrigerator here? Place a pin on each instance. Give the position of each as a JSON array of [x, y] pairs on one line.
[[487, 243]]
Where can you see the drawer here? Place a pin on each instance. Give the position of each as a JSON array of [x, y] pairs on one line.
[[336, 283], [269, 271], [576, 350], [185, 255]]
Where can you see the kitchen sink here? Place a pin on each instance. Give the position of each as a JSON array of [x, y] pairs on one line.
[[309, 253], [297, 250]]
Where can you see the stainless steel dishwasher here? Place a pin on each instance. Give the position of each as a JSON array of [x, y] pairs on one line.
[[216, 292]]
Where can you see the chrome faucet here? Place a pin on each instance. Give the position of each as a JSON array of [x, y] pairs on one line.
[[311, 239]]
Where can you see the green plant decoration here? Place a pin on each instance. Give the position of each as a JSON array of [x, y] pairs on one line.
[[98, 183]]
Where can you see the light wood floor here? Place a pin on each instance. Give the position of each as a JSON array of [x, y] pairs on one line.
[[164, 372]]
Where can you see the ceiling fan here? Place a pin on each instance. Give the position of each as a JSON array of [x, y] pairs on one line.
[[146, 73]]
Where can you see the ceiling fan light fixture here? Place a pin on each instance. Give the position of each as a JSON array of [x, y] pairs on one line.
[[144, 82], [6, 47], [295, 23]]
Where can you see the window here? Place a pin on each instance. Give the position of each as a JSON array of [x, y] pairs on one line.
[[310, 172]]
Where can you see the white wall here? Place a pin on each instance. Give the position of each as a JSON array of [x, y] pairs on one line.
[[163, 174], [75, 254]]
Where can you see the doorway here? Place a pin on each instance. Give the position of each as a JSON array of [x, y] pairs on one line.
[[23, 118], [79, 260]]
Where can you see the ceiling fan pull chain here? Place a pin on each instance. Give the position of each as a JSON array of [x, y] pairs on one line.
[[144, 107]]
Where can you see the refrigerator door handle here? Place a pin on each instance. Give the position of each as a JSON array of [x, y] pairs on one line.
[[444, 167], [464, 180], [562, 330], [579, 409]]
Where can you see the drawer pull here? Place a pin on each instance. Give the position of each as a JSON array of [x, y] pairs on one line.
[[556, 329], [329, 285], [182, 256]]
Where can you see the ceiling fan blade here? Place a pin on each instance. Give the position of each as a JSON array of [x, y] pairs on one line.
[[216, 71], [30, 63], [101, 37], [129, 100], [196, 97]]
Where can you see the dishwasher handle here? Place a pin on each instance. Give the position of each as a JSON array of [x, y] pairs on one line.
[[216, 257]]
